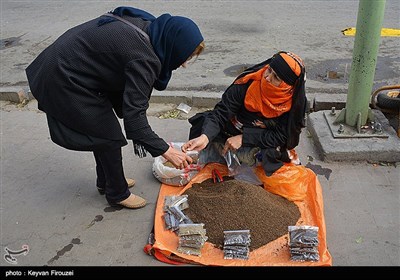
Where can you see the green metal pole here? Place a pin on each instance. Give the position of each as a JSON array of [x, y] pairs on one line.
[[366, 44]]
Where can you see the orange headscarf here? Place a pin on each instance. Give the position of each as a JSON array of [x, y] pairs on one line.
[[263, 97]]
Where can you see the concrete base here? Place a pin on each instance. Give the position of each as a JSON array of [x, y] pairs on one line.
[[353, 149]]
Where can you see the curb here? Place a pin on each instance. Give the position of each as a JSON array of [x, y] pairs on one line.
[[15, 94], [316, 101], [194, 99]]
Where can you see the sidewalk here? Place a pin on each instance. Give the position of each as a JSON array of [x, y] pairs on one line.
[[50, 203]]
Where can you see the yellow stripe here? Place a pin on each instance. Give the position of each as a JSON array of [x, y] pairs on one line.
[[351, 31]]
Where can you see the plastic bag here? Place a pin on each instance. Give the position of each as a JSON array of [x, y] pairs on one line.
[[172, 176], [303, 243], [241, 171]]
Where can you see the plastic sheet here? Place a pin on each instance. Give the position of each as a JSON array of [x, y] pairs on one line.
[[296, 183]]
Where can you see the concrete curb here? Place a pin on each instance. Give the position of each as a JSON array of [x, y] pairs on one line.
[[316, 101], [196, 99], [15, 94]]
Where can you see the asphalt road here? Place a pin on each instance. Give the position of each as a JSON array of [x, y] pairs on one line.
[[48, 197], [237, 33]]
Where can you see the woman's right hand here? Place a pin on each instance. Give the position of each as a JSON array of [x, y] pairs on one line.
[[178, 158], [196, 144]]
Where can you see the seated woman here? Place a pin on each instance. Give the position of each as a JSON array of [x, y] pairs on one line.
[[260, 115]]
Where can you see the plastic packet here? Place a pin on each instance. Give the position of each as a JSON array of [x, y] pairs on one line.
[[232, 162], [247, 173], [189, 251], [303, 236], [303, 243], [236, 244], [191, 238], [240, 171], [237, 237]]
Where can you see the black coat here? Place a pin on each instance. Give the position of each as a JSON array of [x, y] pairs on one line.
[[217, 123], [90, 73], [218, 126]]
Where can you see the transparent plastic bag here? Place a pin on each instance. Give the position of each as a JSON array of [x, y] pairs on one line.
[[303, 243], [241, 171], [241, 164]]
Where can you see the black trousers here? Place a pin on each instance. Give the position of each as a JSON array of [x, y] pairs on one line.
[[110, 174], [107, 153]]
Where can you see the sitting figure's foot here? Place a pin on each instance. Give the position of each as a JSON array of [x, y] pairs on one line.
[[132, 202], [131, 183]]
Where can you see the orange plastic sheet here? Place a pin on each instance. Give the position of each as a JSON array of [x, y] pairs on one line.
[[296, 183]]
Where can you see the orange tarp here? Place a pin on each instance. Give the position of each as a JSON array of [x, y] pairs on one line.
[[296, 183]]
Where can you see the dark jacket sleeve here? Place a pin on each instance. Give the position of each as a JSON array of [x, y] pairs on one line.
[[231, 102], [272, 136], [140, 77]]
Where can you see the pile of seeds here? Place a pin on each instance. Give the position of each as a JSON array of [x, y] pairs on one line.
[[236, 205]]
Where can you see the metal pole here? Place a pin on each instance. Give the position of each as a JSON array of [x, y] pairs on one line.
[[365, 52]]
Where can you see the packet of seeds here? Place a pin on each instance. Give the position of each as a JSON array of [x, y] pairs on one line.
[[179, 215], [236, 252], [171, 223], [304, 256], [189, 251], [298, 250], [196, 241], [303, 236], [303, 243], [236, 244], [188, 229], [237, 237], [173, 200], [229, 256], [193, 237]]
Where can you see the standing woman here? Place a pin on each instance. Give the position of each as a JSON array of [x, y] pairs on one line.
[[107, 68]]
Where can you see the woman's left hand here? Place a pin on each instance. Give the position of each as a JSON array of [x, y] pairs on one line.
[[232, 143]]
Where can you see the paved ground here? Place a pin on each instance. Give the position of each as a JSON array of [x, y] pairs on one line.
[[48, 196], [237, 33], [49, 200]]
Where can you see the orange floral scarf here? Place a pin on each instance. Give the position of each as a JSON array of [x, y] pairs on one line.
[[265, 98]]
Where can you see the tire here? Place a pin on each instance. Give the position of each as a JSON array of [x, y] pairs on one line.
[[387, 102]]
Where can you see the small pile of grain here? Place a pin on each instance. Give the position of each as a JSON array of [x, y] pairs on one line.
[[237, 205]]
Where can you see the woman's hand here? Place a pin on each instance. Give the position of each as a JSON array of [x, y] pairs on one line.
[[232, 143], [196, 144], [178, 158]]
